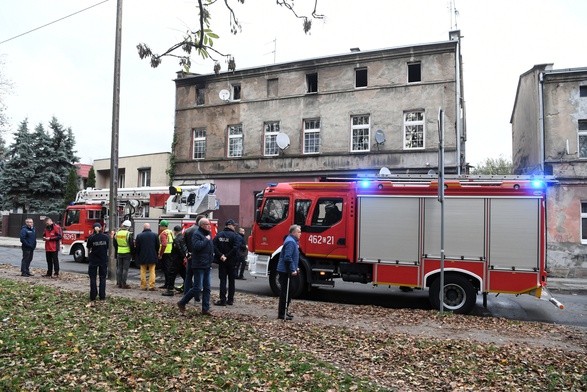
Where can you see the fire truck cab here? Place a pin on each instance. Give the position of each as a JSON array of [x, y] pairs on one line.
[[388, 232]]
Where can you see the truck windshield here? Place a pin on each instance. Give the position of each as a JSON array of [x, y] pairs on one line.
[[71, 217], [275, 210]]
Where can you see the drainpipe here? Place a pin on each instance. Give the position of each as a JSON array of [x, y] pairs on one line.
[[455, 35], [541, 119]]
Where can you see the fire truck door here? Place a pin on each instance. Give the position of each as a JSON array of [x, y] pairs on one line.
[[325, 230]]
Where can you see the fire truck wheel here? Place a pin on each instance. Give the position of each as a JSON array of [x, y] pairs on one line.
[[459, 294], [79, 255], [298, 283]]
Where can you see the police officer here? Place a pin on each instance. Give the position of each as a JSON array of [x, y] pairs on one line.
[[124, 245], [226, 247]]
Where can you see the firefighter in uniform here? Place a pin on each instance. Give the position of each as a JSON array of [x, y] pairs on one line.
[[165, 248], [124, 245]]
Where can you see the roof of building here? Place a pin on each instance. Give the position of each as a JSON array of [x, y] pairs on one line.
[[83, 169]]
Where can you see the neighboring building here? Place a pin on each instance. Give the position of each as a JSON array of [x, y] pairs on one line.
[[346, 115], [82, 174], [549, 135], [135, 171]]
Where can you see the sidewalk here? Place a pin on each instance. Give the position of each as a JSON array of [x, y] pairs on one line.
[[576, 286]]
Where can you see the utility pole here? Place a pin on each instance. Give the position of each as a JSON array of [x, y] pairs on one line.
[[112, 222]]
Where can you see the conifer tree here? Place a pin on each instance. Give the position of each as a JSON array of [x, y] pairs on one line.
[[40, 186], [91, 183], [60, 156], [72, 186], [19, 171]]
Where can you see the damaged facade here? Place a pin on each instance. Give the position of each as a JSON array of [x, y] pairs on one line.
[[345, 115], [549, 135]]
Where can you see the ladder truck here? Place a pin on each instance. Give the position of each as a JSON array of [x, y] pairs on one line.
[[178, 204], [387, 232]]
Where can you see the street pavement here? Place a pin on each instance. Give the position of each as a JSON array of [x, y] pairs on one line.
[[575, 286]]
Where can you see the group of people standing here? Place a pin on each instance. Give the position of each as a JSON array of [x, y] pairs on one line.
[[190, 255], [28, 240]]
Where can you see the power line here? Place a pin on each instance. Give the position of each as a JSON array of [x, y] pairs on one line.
[[55, 21]]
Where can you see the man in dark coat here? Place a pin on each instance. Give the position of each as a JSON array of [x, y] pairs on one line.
[[178, 254], [189, 275], [202, 257], [147, 248], [28, 239], [226, 253]]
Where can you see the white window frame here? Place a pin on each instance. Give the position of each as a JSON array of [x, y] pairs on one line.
[[235, 139], [411, 128], [311, 128], [360, 129], [199, 135], [583, 218], [582, 134], [144, 177], [270, 131]]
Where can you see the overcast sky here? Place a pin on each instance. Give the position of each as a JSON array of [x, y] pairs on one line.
[[66, 69]]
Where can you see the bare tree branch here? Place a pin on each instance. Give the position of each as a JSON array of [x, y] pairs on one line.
[[203, 39]]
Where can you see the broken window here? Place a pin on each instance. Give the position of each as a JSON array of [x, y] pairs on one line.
[[361, 77], [414, 72], [236, 92], [271, 131], [583, 91], [312, 82], [413, 130], [235, 141], [272, 87], [200, 95], [582, 138], [360, 130]]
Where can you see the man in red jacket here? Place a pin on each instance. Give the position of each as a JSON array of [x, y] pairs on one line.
[[52, 238]]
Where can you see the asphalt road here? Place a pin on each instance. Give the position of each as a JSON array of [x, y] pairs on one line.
[[522, 308]]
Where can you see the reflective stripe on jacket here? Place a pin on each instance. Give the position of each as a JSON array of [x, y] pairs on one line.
[[122, 241], [167, 244]]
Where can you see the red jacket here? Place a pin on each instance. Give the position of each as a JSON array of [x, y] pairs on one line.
[[53, 237]]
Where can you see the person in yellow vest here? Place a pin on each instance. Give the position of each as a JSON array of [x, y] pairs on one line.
[[165, 248], [124, 245]]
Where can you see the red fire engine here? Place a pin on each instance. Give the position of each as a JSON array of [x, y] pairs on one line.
[[180, 206], [388, 232]]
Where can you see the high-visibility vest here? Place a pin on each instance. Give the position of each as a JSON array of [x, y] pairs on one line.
[[122, 241], [169, 246]]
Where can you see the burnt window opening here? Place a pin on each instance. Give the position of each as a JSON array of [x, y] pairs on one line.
[[272, 87], [236, 92], [312, 82], [414, 72], [200, 95], [361, 77], [583, 91]]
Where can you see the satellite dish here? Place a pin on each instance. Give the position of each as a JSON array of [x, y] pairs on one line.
[[224, 95], [379, 137], [384, 172], [282, 140]]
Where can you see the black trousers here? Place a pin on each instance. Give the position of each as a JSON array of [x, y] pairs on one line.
[[52, 262], [166, 264], [227, 272], [283, 277], [94, 271]]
